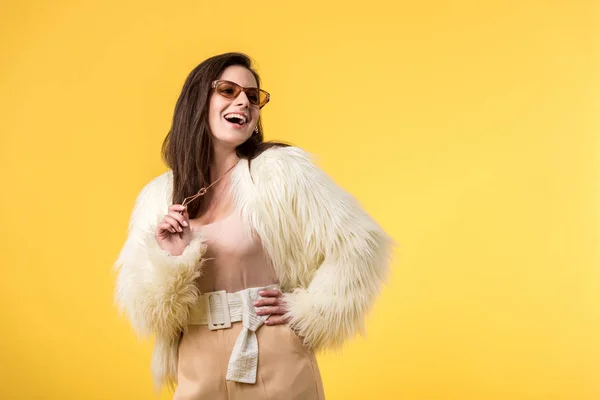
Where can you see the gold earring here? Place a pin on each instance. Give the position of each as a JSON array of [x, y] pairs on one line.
[[256, 129]]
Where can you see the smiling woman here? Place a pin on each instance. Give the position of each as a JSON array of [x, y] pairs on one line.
[[223, 244]]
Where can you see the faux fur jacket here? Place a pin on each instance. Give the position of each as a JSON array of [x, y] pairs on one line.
[[330, 257]]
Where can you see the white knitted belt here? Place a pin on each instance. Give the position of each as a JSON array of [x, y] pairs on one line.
[[218, 310]]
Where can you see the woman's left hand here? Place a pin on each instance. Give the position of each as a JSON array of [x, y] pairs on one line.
[[271, 304]]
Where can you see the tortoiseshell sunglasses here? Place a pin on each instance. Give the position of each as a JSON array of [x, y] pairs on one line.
[[231, 90]]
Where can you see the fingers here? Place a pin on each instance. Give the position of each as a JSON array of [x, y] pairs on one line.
[[268, 301], [273, 305], [165, 226], [179, 218], [176, 220], [177, 208], [276, 320], [276, 310], [270, 293], [174, 224]]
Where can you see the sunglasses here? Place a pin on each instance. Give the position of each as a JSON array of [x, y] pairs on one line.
[[189, 199], [231, 90]]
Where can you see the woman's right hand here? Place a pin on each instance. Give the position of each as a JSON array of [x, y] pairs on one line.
[[173, 233]]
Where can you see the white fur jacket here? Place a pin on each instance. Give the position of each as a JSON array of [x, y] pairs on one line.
[[329, 255]]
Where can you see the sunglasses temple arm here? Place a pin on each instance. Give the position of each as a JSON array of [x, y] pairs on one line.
[[188, 200]]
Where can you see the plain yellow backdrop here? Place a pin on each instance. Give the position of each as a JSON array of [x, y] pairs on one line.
[[468, 129]]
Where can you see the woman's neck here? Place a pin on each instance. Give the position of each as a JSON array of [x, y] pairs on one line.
[[222, 161]]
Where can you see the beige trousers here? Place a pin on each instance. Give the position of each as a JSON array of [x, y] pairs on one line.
[[286, 369]]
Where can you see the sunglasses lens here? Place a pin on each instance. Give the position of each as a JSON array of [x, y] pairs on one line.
[[228, 90], [263, 98], [253, 96]]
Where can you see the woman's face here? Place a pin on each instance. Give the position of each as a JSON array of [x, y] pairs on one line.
[[223, 131]]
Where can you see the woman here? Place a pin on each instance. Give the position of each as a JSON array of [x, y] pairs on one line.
[[244, 258]]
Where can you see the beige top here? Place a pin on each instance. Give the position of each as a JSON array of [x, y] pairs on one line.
[[236, 259]]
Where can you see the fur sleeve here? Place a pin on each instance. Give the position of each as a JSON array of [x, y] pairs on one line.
[[154, 288], [351, 251]]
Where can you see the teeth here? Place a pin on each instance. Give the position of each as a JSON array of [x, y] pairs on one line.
[[236, 115]]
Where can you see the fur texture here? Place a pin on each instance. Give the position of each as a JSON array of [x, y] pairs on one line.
[[329, 255]]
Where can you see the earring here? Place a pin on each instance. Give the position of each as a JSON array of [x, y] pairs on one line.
[[256, 129]]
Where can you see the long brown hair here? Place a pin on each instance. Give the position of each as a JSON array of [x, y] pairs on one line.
[[188, 147]]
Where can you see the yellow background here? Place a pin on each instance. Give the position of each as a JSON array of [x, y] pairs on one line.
[[469, 129]]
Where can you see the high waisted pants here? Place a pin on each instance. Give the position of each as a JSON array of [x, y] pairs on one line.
[[286, 369]]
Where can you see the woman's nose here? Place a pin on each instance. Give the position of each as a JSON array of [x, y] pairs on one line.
[[242, 100]]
